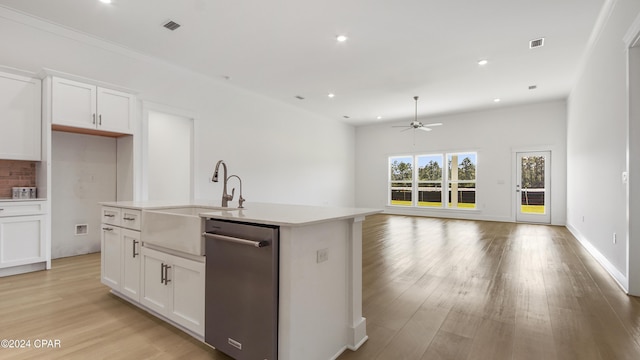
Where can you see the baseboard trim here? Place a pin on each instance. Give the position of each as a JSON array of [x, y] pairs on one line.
[[617, 276]]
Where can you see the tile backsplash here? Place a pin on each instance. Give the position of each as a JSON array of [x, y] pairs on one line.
[[16, 173]]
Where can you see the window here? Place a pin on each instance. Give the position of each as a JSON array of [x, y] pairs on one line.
[[430, 178], [462, 180], [401, 180]]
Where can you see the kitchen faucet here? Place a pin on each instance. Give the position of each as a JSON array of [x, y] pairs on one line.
[[225, 197], [240, 199]]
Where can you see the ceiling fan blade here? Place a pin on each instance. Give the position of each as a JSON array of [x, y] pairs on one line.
[[402, 126], [424, 128], [434, 124], [408, 128]]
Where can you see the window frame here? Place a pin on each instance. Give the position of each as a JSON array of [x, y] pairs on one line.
[[445, 182]]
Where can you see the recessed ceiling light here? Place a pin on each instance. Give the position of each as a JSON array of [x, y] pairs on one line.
[[105, 1], [496, 100], [483, 62], [331, 95], [341, 38], [379, 117]]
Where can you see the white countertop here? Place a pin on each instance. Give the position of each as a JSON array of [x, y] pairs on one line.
[[260, 213]]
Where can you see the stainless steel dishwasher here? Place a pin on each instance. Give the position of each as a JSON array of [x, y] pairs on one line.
[[241, 292]]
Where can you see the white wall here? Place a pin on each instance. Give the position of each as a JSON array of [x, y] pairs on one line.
[[597, 145], [282, 153], [494, 134], [83, 174], [169, 157]]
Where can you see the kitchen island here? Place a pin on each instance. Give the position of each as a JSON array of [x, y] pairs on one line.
[[320, 270]]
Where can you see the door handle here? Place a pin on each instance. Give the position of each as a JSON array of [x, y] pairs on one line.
[[100, 119], [162, 273], [94, 118], [134, 248]]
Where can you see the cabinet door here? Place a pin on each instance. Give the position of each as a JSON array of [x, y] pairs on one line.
[[115, 111], [111, 256], [187, 308], [20, 117], [21, 240], [73, 104], [155, 294], [131, 264]]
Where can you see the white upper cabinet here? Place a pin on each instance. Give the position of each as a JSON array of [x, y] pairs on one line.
[[20, 117], [79, 105]]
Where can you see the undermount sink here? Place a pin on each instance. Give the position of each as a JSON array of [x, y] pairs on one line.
[[178, 228]]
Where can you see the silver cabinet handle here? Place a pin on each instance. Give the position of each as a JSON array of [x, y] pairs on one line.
[[134, 248], [109, 215], [166, 274], [107, 229], [100, 119], [128, 219], [258, 243], [94, 118]]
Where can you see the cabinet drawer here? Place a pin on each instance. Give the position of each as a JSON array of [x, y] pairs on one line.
[[130, 219], [111, 216], [19, 208]]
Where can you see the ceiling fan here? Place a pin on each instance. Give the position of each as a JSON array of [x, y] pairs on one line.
[[415, 124]]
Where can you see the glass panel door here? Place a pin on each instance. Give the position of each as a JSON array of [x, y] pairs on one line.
[[532, 187]]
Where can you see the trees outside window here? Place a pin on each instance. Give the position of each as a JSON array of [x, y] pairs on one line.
[[431, 177]]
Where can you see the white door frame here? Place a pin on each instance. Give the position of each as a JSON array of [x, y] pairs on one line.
[[516, 191], [631, 176], [148, 106]]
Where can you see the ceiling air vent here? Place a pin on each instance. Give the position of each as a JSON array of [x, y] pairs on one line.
[[171, 25], [536, 43]]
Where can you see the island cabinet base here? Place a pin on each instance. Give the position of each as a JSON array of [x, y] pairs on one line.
[[320, 300]]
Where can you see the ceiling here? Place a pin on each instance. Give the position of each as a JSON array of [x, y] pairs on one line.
[[394, 51]]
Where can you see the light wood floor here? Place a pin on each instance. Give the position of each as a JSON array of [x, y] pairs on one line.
[[432, 289]]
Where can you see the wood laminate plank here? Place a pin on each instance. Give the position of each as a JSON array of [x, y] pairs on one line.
[[432, 289]]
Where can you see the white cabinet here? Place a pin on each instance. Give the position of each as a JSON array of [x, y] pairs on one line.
[[20, 117], [120, 257], [173, 286], [22, 237], [79, 105], [111, 256], [131, 244]]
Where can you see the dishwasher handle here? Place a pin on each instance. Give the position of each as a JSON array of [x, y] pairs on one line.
[[258, 243]]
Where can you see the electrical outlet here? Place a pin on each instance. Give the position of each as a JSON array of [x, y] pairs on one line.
[[615, 238], [322, 255]]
